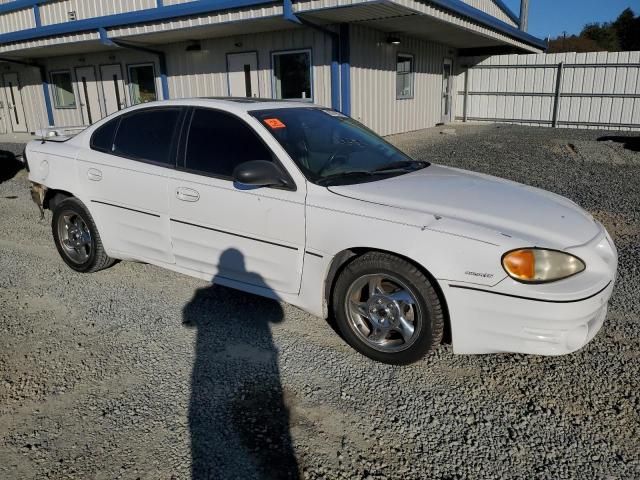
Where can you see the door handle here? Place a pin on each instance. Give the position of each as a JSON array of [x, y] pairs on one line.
[[187, 194], [94, 174]]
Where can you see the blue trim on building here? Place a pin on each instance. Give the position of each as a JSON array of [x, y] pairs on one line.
[[345, 69], [47, 102], [162, 62], [510, 13], [461, 8], [104, 38], [36, 15], [21, 4], [335, 73], [140, 16], [159, 4], [45, 84], [287, 12], [206, 6]]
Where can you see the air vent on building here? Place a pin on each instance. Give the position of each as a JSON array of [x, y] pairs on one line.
[[72, 15]]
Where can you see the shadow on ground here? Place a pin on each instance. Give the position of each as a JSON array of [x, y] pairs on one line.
[[9, 165], [238, 419], [629, 143]]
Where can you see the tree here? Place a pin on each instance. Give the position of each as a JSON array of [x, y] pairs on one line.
[[622, 34], [601, 33], [573, 43], [627, 28]]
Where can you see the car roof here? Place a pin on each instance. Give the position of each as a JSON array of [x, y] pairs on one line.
[[233, 104]]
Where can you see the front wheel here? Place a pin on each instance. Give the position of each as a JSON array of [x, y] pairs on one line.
[[387, 309], [76, 237]]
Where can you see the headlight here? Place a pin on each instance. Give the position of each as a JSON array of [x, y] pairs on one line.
[[536, 265]]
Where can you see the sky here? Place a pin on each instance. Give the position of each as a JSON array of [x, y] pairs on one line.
[[552, 17]]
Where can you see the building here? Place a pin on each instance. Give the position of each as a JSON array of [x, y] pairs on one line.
[[387, 63]]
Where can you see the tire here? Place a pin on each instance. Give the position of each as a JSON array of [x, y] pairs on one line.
[[387, 309], [76, 237]]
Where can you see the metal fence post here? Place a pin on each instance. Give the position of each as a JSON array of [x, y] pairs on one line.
[[466, 94], [556, 103]]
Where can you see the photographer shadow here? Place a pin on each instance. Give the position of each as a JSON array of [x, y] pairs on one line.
[[9, 165], [238, 419]]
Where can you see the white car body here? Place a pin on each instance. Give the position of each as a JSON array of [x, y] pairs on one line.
[[454, 224]]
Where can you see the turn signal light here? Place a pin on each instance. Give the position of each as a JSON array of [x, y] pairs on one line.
[[537, 265]]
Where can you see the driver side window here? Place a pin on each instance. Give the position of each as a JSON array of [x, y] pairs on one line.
[[217, 142]]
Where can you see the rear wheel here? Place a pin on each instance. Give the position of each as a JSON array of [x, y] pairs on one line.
[[76, 237], [387, 309]]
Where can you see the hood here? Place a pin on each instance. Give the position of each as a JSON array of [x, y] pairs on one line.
[[540, 217]]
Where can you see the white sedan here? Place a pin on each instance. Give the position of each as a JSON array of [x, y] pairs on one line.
[[300, 203]]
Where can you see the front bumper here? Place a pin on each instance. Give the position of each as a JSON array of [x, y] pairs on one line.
[[550, 319], [483, 322]]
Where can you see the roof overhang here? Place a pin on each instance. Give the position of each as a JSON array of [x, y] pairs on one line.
[[451, 22]]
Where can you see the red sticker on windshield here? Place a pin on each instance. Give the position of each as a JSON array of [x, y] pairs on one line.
[[274, 123]]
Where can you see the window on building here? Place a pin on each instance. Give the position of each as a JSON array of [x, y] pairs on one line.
[[404, 76], [147, 135], [235, 142], [62, 85], [102, 138], [292, 75], [142, 80]]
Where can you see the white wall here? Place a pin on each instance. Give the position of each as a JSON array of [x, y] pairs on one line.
[[31, 94], [598, 89], [17, 20], [204, 73], [58, 12], [72, 117], [492, 9], [373, 82]]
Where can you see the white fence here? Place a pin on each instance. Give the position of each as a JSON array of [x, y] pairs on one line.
[[579, 90]]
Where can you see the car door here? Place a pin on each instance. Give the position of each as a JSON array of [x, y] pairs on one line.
[[124, 176], [226, 231]]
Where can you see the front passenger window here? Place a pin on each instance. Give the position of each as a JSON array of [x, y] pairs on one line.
[[219, 141]]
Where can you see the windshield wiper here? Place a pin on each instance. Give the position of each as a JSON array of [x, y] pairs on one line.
[[401, 165], [355, 173]]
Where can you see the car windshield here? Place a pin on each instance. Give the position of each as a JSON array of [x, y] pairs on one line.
[[333, 149]]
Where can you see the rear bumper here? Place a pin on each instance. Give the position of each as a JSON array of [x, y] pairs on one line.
[[486, 322]]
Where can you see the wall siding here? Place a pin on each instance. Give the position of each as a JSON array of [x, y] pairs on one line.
[[32, 98], [492, 9], [193, 74], [17, 20], [373, 82], [176, 2], [72, 117], [607, 94], [190, 74], [58, 12]]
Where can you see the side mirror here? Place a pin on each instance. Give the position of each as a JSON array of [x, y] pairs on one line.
[[260, 173]]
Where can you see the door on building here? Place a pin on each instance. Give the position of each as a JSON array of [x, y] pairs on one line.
[[88, 90], [112, 88], [242, 74], [15, 106], [447, 86]]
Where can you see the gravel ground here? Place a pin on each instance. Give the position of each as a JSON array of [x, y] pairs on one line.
[[136, 372]]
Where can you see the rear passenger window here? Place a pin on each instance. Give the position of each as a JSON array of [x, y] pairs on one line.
[[102, 138], [219, 141], [147, 135]]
